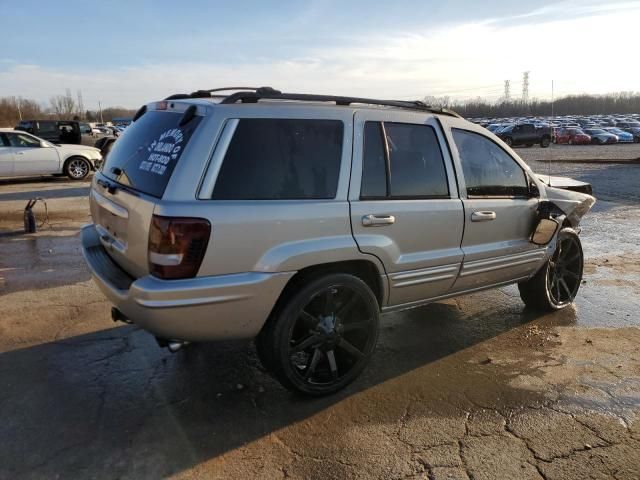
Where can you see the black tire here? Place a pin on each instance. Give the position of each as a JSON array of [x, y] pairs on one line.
[[556, 284], [317, 342], [77, 168], [544, 143]]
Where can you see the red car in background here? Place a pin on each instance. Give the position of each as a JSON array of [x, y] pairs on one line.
[[572, 136]]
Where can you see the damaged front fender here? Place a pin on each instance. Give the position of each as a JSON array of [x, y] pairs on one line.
[[574, 204]]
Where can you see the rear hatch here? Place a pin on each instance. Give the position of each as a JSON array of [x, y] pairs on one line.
[[133, 180]]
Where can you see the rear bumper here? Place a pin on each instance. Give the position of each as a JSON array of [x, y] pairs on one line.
[[203, 308]]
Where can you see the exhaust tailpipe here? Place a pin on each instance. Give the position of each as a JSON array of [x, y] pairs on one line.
[[174, 345]]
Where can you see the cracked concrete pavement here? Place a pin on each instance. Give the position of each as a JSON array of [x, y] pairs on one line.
[[472, 388]]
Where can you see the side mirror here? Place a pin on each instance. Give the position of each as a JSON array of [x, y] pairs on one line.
[[550, 217], [545, 231]]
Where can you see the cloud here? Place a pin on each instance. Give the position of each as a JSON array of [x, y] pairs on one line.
[[464, 60]]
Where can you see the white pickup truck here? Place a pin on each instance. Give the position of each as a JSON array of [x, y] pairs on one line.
[[23, 154]]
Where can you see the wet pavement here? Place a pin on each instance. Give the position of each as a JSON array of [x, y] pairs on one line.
[[472, 388]]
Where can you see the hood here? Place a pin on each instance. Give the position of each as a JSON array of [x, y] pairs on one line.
[[574, 204], [70, 146]]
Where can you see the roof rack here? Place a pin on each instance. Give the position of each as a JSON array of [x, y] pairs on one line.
[[253, 95]]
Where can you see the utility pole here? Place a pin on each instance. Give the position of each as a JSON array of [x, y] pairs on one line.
[[525, 88], [507, 91], [18, 102], [81, 111], [552, 98], [100, 108]]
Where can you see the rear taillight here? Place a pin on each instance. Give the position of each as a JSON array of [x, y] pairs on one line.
[[177, 246]]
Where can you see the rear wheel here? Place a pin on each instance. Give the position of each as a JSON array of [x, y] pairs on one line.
[[556, 284], [544, 143], [77, 168], [322, 338]]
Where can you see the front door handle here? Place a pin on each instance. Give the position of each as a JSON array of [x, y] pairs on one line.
[[483, 216], [378, 220]]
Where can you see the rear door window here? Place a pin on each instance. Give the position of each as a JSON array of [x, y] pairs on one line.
[[281, 159], [408, 165], [145, 156]]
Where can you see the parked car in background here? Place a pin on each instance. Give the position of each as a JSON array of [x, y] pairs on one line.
[[63, 131], [426, 205], [600, 137], [623, 137], [572, 136], [632, 127], [24, 154], [525, 134]]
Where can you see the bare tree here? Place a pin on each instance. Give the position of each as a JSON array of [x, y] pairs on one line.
[[64, 106]]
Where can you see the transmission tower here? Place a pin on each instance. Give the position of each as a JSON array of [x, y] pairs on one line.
[[507, 91], [525, 88]]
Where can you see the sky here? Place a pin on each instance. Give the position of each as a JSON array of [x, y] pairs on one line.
[[127, 53]]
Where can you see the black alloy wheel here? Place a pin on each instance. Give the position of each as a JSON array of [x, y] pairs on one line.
[[565, 271], [324, 336], [556, 284]]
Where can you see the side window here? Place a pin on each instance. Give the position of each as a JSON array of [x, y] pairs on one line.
[[47, 127], [409, 165], [488, 170], [3, 140], [21, 140], [374, 162], [281, 159]]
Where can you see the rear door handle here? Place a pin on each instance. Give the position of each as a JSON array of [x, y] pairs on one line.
[[484, 216], [378, 220]]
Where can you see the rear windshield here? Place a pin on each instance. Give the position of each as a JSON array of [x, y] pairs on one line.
[[146, 154]]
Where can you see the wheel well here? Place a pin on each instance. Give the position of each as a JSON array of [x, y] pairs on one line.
[[363, 269]]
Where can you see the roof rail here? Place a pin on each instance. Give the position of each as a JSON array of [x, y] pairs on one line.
[[268, 93], [207, 93], [253, 95]]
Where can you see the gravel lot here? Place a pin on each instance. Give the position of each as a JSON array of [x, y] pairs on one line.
[[472, 388]]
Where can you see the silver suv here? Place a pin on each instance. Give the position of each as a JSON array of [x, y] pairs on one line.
[[298, 219]]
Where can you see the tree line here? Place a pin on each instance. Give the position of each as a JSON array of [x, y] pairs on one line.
[[65, 107], [612, 103], [60, 107]]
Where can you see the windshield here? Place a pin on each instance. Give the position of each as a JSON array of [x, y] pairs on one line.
[[146, 154]]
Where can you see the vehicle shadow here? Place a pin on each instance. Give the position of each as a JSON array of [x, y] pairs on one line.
[[111, 403]]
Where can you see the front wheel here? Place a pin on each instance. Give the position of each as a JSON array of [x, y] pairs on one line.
[[544, 143], [556, 284], [77, 168], [322, 338]]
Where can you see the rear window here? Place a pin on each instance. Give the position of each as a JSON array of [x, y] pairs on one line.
[[146, 154], [281, 159]]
